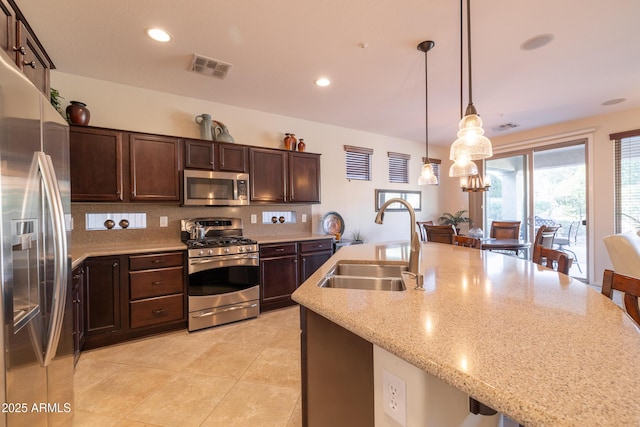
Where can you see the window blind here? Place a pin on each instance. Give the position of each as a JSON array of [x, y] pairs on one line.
[[627, 180], [358, 162], [398, 167]]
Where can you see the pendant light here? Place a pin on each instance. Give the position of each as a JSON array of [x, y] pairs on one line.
[[474, 183], [427, 175], [471, 143]]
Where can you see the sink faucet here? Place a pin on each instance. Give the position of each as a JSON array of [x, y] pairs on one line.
[[415, 254]]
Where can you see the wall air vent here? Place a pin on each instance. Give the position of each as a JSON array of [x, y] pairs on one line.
[[209, 67], [504, 127]]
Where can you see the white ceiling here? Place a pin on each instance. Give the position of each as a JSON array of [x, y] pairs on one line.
[[279, 47]]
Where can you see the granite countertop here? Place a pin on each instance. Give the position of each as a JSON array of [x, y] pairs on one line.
[[290, 237], [536, 345], [80, 252]]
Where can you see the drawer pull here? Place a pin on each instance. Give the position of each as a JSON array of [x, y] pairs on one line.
[[159, 311], [159, 282], [31, 64], [279, 249], [158, 261]]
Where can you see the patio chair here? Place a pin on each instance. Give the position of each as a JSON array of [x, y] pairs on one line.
[[568, 240]]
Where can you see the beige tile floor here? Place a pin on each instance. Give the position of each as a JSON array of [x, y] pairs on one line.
[[242, 374]]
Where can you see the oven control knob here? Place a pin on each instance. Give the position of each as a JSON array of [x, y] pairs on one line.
[[201, 253], [240, 249], [226, 250], [210, 251]]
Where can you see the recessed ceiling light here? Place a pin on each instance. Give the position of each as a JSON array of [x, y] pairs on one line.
[[158, 35], [323, 81], [537, 42]]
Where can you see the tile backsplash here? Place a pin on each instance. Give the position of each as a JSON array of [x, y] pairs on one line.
[[152, 214]]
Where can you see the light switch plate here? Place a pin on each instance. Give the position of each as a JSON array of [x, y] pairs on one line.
[[254, 218], [164, 221], [304, 217]]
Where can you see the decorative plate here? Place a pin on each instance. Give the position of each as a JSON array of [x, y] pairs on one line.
[[332, 223]]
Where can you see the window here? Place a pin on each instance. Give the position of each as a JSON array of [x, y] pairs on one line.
[[358, 162], [627, 180], [398, 167]]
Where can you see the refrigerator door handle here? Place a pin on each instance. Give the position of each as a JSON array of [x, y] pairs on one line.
[[54, 199]]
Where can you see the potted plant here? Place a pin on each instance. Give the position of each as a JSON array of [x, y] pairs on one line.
[[454, 219], [358, 236]]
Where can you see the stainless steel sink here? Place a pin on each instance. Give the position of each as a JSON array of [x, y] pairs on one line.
[[373, 277], [370, 270], [365, 283]]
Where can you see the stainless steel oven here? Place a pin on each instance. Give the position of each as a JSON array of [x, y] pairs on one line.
[[224, 272]]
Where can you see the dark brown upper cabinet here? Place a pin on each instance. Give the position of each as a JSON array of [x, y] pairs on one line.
[[154, 168], [304, 178], [267, 175], [113, 166], [96, 164], [208, 155]]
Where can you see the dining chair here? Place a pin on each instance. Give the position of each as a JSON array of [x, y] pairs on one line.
[[551, 258], [440, 233], [469, 242], [629, 285], [505, 229], [545, 235], [570, 239], [421, 230]]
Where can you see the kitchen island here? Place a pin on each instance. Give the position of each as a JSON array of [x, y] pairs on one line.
[[536, 345]]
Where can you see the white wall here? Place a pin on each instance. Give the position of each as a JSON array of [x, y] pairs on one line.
[[601, 183], [129, 108]]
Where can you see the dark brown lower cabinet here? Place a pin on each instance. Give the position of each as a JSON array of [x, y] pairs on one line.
[[103, 299], [337, 375], [285, 266], [278, 275], [130, 296], [313, 254], [77, 299]]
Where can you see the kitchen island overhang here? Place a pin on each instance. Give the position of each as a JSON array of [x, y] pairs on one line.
[[529, 342]]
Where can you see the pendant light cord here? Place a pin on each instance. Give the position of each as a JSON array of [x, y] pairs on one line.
[[426, 104], [461, 67], [469, 48]]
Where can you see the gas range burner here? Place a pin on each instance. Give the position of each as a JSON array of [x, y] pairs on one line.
[[220, 242]]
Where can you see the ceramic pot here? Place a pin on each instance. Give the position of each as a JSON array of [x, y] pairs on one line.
[[287, 141], [206, 126], [78, 113], [301, 145], [294, 141]]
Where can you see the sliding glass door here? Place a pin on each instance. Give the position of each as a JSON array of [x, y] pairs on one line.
[[542, 186]]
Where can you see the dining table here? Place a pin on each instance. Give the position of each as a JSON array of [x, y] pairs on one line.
[[515, 245]]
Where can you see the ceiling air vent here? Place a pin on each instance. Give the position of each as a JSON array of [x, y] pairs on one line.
[[504, 127], [209, 67]]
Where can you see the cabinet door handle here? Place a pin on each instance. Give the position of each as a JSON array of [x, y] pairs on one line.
[[20, 49], [159, 311], [31, 64], [115, 264], [159, 282]]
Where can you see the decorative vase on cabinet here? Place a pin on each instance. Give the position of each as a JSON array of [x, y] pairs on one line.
[[301, 145], [78, 113]]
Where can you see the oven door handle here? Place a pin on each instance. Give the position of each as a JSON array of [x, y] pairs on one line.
[[207, 260], [236, 307], [207, 263]]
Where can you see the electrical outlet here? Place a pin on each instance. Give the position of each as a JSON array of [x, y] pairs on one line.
[[164, 221], [304, 217], [254, 218], [394, 397]]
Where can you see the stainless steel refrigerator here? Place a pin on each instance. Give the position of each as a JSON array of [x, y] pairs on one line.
[[37, 326]]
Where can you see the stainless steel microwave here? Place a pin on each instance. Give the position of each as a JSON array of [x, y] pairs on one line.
[[209, 188]]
